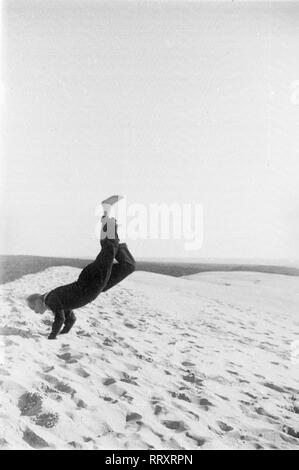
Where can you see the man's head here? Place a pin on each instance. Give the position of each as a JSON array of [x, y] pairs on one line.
[[36, 303]]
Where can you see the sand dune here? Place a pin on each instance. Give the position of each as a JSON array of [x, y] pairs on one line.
[[155, 363]]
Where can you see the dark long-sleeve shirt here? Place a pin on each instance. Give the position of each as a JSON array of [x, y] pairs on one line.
[[96, 277]]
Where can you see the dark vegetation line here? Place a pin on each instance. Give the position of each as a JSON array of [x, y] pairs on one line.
[[14, 266]]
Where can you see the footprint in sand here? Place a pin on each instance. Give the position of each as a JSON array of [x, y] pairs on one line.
[[82, 372], [10, 331], [34, 440], [178, 426], [108, 381], [108, 342], [129, 380], [68, 358], [81, 404], [158, 407], [58, 385], [242, 381], [133, 417], [188, 364], [258, 376], [65, 388], [111, 400], [83, 333], [224, 427], [47, 420], [30, 404], [291, 431], [51, 392], [191, 378], [254, 397], [200, 441], [88, 439], [158, 410], [126, 397], [132, 367], [273, 386], [47, 369], [3, 442], [262, 412], [75, 445], [129, 324], [205, 404], [180, 396]]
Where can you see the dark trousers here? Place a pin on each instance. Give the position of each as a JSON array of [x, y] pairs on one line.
[[95, 278]]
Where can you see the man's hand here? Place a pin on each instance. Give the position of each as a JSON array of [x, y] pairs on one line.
[[51, 336]]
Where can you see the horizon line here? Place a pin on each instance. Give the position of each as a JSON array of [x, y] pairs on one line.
[[173, 259]]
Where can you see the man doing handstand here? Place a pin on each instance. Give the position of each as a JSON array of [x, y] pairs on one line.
[[96, 277]]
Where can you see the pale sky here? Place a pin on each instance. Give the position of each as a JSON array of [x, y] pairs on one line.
[[165, 102]]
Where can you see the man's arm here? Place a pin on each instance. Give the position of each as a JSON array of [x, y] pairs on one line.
[[57, 324], [70, 320]]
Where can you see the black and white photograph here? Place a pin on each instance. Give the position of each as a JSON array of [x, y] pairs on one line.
[[149, 213]]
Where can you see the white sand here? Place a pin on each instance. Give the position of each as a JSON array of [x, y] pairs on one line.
[[155, 363]]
